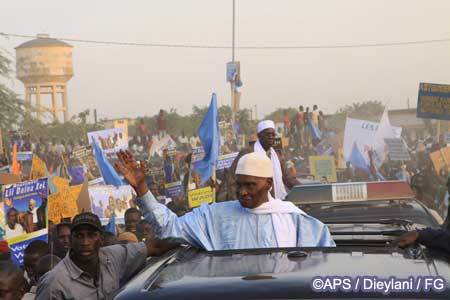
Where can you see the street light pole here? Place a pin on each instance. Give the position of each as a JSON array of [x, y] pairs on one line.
[[232, 83], [234, 25]]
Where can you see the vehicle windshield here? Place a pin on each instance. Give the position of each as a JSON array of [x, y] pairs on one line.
[[394, 211]]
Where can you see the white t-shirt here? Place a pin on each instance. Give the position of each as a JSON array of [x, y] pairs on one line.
[[183, 140], [18, 230], [194, 141]]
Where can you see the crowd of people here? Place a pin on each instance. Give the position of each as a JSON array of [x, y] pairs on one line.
[[92, 261], [306, 133]]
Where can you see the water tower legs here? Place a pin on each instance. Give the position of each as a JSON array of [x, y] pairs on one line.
[[36, 93], [54, 105], [65, 104], [27, 101], [38, 102]]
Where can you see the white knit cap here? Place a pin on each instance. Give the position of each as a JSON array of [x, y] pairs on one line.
[[255, 164], [264, 125]]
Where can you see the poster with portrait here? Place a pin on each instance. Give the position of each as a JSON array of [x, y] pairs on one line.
[[110, 140], [23, 211], [82, 164], [199, 185], [107, 200]]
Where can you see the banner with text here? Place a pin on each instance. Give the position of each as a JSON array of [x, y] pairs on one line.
[[433, 101], [23, 214]]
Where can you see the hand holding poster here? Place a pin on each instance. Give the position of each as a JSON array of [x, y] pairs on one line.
[[23, 214]]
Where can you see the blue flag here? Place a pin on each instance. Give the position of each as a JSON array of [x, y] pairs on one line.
[[51, 185], [316, 134], [357, 159], [108, 172], [111, 226], [210, 137]]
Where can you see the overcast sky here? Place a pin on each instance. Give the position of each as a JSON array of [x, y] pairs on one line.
[[123, 81]]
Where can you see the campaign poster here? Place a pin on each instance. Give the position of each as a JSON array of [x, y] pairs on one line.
[[107, 200], [20, 138], [81, 163], [323, 168], [63, 204], [199, 185], [23, 211], [199, 196], [225, 161], [110, 140], [174, 190], [433, 101], [158, 146], [156, 183]]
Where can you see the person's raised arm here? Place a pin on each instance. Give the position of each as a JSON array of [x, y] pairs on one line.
[[165, 223]]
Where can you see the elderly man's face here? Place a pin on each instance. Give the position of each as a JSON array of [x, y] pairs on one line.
[[267, 138], [252, 191], [31, 205]]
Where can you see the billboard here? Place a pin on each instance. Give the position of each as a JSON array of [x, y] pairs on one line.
[[433, 101]]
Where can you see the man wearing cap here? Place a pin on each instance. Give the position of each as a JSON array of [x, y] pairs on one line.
[[90, 271], [256, 220], [264, 144]]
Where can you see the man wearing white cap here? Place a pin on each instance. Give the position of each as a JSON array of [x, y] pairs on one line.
[[264, 144], [256, 220]]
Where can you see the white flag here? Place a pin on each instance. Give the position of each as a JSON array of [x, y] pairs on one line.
[[385, 131]]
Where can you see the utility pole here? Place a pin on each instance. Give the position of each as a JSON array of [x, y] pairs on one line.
[[232, 83]]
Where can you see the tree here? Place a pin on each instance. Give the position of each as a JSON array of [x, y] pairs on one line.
[[11, 107], [368, 110], [278, 115]]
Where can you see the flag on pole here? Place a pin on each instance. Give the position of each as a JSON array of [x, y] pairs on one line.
[[109, 174], [210, 138], [111, 226], [357, 159], [15, 167], [316, 134], [385, 130], [39, 170]]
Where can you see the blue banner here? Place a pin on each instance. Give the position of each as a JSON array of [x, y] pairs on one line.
[[18, 248], [24, 213], [433, 101], [174, 189]]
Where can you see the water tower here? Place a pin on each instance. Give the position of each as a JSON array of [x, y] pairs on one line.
[[44, 65]]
